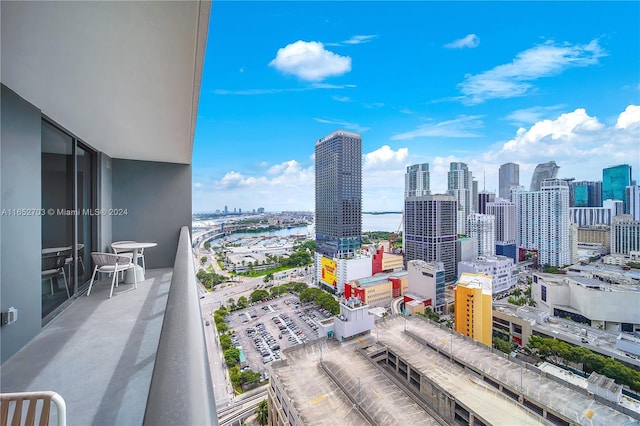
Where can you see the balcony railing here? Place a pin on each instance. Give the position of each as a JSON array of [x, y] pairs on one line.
[[181, 389]]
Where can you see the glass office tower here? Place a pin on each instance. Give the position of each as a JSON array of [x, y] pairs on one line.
[[339, 194], [615, 180]]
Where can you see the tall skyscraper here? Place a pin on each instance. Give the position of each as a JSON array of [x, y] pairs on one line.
[[460, 185], [482, 227], [585, 194], [615, 179], [506, 223], [416, 180], [338, 158], [548, 170], [484, 197], [508, 176], [544, 222], [632, 198], [473, 307], [430, 232]]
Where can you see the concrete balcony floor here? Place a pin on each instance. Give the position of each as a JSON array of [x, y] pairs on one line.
[[98, 354]]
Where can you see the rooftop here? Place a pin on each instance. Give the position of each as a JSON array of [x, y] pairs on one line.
[[320, 399]]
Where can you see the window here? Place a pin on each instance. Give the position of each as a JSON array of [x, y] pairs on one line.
[[68, 196], [543, 293]]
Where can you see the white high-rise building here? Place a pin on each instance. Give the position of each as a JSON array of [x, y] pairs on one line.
[[460, 185], [500, 268], [544, 222], [625, 234], [632, 198], [416, 180], [483, 228], [506, 223]]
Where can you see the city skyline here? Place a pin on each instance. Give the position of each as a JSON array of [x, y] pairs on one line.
[[430, 90]]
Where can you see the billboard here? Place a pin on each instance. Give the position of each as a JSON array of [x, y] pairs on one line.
[[328, 271]]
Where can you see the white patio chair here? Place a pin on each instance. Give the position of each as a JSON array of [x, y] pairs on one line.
[[111, 264], [37, 406], [129, 252]]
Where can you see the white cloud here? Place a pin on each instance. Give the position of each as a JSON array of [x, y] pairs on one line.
[[470, 40], [310, 61], [312, 86], [461, 127], [514, 79], [385, 156], [341, 98], [567, 128], [630, 117], [343, 124], [359, 39], [533, 114], [198, 185], [373, 105]]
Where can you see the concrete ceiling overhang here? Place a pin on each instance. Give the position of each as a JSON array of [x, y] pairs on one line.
[[123, 76]]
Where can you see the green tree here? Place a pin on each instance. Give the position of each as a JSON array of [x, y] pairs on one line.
[[267, 278], [232, 356], [242, 302], [203, 260], [234, 375], [431, 315], [262, 413], [258, 295], [502, 345], [225, 341], [207, 245], [249, 377]]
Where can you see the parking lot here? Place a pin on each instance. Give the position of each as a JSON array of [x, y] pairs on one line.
[[265, 328]]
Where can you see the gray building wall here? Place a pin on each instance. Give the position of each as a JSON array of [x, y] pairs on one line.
[[104, 183], [157, 197], [20, 236]]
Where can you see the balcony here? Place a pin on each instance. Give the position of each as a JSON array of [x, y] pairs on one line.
[[136, 358]]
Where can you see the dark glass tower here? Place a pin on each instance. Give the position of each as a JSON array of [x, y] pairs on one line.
[[615, 179], [339, 194]]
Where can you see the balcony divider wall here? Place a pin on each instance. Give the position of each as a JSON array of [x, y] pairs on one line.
[[156, 197]]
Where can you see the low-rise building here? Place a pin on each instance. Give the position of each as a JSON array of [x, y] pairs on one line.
[[379, 289], [500, 268], [599, 300], [427, 282]]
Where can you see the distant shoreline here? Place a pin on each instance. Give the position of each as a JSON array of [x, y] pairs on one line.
[[377, 213]]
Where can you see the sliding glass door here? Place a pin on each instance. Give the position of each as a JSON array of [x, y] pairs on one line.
[[68, 223]]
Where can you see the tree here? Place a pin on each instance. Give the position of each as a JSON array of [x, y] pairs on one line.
[[203, 259], [225, 341], [207, 245], [262, 413], [502, 345], [267, 278], [258, 295], [242, 302], [232, 356]]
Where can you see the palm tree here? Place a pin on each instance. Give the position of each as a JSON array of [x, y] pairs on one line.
[[262, 413]]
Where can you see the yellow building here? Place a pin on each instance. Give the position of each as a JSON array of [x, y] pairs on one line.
[[473, 308]]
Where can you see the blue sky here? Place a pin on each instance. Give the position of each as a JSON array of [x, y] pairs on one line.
[[481, 82]]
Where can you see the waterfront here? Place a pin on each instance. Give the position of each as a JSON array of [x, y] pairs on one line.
[[388, 222]]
